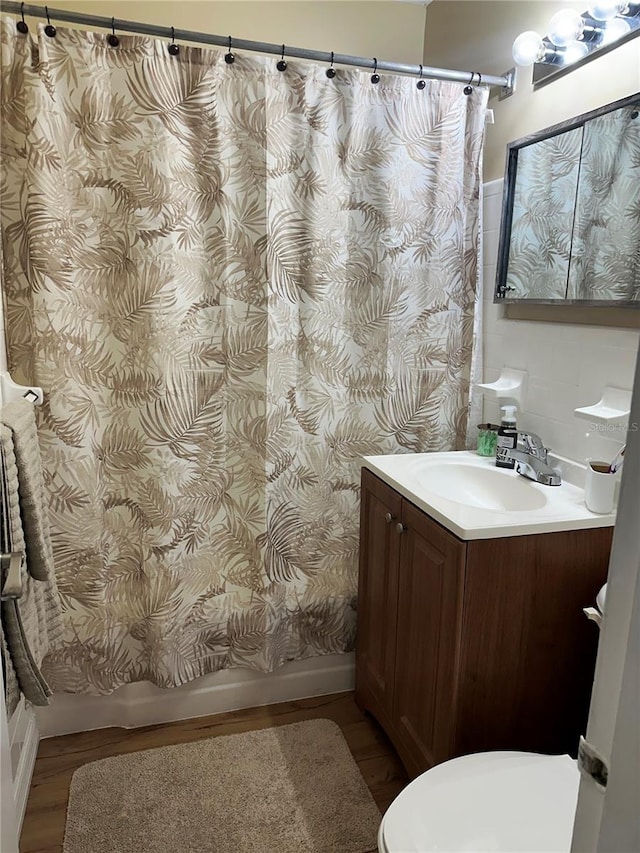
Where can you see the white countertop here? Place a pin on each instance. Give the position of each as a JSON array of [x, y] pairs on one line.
[[425, 479]]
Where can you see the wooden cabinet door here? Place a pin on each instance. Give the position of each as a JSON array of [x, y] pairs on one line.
[[528, 653], [430, 594], [377, 596]]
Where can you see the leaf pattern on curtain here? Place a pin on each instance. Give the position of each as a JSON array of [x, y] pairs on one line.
[[232, 283]]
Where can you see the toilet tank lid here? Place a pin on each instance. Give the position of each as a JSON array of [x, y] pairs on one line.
[[514, 802]]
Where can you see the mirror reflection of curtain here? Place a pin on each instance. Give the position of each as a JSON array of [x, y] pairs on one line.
[[544, 198], [605, 254], [231, 283]]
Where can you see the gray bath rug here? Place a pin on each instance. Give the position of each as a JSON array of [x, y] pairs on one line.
[[288, 789]]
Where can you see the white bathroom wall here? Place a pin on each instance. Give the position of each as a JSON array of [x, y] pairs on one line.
[[568, 365]]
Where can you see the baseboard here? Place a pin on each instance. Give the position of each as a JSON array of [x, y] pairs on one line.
[[26, 762], [229, 690]]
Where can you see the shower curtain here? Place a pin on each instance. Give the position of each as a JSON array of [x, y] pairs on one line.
[[231, 283]]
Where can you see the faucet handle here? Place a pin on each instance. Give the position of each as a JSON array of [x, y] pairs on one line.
[[533, 445]]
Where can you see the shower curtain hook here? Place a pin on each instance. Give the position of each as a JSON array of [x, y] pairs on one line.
[[421, 83], [229, 58], [479, 83], [50, 30], [173, 48], [281, 65], [112, 38], [21, 26], [467, 89], [375, 77], [331, 71]]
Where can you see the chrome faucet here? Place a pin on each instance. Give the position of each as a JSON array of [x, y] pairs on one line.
[[530, 456], [531, 443]]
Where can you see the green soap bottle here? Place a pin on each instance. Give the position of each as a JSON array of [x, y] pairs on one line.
[[507, 438]]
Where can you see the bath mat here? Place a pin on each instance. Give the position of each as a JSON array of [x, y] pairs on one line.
[[287, 789]]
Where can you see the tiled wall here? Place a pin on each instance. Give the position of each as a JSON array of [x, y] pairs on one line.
[[568, 365]]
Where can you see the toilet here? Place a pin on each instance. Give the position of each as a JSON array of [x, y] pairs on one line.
[[490, 801], [515, 802]]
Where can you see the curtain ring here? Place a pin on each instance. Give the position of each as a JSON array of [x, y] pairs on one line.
[[50, 30], [112, 38], [467, 89], [229, 58], [281, 65], [375, 77], [22, 26], [173, 48], [331, 71], [421, 83]]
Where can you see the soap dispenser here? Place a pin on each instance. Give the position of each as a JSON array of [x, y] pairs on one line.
[[507, 438]]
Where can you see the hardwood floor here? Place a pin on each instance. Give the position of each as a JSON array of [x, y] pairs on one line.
[[58, 758]]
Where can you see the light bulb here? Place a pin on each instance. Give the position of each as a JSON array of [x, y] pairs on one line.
[[565, 27], [528, 48], [604, 11], [614, 30], [574, 52]]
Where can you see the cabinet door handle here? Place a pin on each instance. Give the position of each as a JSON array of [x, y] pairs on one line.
[[389, 518], [400, 527]]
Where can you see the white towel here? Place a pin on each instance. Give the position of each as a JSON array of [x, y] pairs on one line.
[[30, 624], [20, 418]]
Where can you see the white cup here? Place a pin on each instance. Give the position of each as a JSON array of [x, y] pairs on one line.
[[599, 487]]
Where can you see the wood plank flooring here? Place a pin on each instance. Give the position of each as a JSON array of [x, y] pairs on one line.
[[58, 758]]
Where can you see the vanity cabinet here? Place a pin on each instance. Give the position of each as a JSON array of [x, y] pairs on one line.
[[467, 646]]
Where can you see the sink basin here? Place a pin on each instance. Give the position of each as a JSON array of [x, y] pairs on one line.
[[473, 499], [485, 488]]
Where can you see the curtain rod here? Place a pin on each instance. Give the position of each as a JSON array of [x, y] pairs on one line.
[[504, 82]]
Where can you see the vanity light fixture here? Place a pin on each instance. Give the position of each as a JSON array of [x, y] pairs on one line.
[[604, 11], [574, 52], [566, 27], [614, 30], [528, 48], [573, 38]]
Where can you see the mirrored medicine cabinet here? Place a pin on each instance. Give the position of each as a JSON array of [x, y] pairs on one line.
[[570, 228]]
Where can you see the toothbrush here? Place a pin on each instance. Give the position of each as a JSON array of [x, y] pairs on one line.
[[617, 460]]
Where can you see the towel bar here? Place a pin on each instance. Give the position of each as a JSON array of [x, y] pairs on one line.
[[12, 565]]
